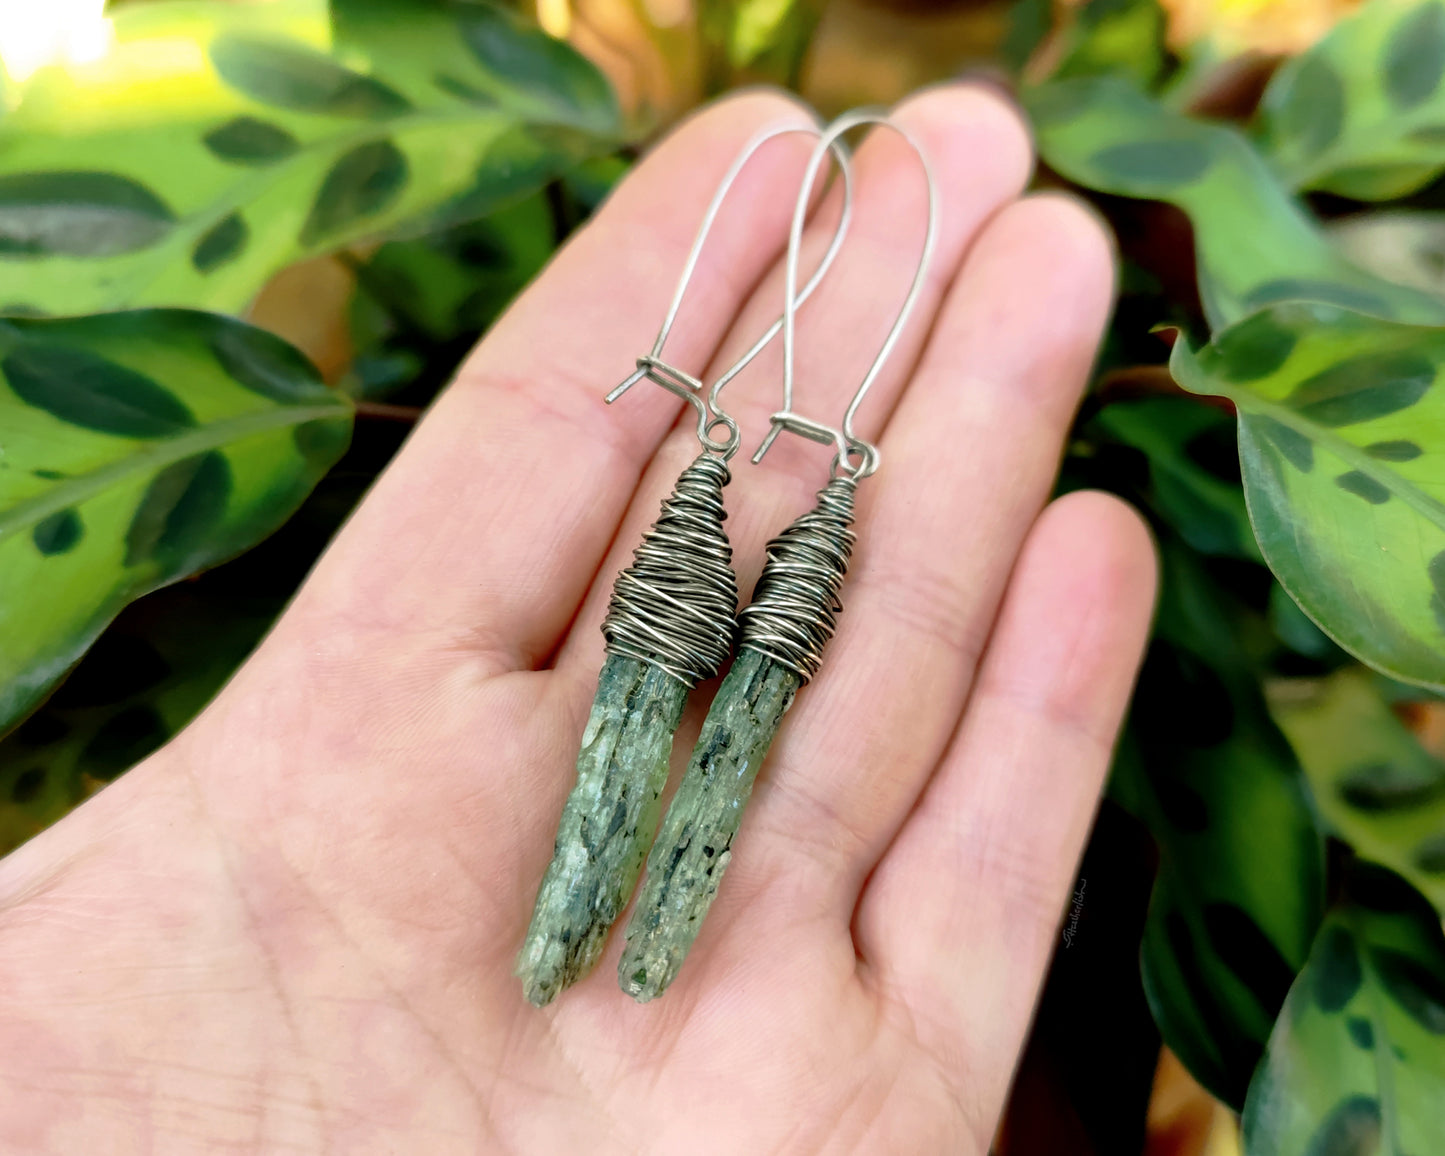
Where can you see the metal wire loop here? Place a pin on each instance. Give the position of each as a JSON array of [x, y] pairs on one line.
[[674, 607], [795, 604], [652, 367], [845, 437], [689, 389]]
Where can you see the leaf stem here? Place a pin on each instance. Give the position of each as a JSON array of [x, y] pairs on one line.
[[381, 411]]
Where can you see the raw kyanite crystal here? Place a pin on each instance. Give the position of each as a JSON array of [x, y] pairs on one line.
[[693, 848], [606, 825]]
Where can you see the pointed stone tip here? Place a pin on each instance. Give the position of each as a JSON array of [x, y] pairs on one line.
[[539, 994], [539, 986], [633, 980]]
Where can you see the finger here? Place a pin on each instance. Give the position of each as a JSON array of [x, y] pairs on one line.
[[981, 156], [960, 918], [486, 530], [968, 459]]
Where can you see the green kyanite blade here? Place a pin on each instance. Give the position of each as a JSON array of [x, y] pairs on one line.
[[606, 825], [693, 848]]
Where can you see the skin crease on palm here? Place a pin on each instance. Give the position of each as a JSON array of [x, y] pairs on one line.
[[292, 929]]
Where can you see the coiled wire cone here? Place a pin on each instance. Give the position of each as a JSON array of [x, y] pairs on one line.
[[795, 605], [675, 606]]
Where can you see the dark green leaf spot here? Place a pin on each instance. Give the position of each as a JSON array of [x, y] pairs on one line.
[[222, 242], [1436, 571], [49, 475], [1296, 449], [123, 741], [516, 162], [1395, 450], [1238, 1053], [1415, 57], [1417, 989], [1159, 164], [78, 214], [1313, 111], [324, 440], [1364, 486], [464, 91], [266, 365], [288, 76], [27, 785], [181, 508], [1430, 855], [1351, 1129], [1427, 134], [360, 184], [1250, 954], [1382, 787], [249, 141], [84, 389], [1335, 969], [1363, 388], [1361, 1031], [1253, 349], [58, 533], [527, 59]]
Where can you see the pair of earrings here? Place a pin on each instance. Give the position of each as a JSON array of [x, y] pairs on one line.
[[672, 623]]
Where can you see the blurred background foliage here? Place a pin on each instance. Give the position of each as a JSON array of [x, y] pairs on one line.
[[243, 245]]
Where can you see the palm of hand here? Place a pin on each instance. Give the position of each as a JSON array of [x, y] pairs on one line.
[[293, 929]]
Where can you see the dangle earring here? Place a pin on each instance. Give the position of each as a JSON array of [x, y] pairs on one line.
[[669, 626], [782, 635]]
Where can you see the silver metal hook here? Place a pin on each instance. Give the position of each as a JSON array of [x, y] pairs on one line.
[[845, 439], [685, 385]]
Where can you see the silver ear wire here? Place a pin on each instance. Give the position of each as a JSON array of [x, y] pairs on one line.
[[651, 366], [844, 438]]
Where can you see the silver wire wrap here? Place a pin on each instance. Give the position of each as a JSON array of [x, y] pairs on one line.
[[795, 605], [675, 606]]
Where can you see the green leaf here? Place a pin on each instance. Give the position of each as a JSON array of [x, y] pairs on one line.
[[1373, 783], [143, 680], [1356, 1063], [1340, 428], [1362, 113], [755, 41], [205, 171], [139, 448], [1114, 36], [1240, 887], [1193, 469], [525, 58], [287, 76], [158, 664], [1255, 244], [421, 304]]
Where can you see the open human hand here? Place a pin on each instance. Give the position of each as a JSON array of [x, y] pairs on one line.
[[293, 929]]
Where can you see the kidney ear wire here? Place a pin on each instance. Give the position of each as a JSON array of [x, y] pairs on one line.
[[844, 437], [703, 399]]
